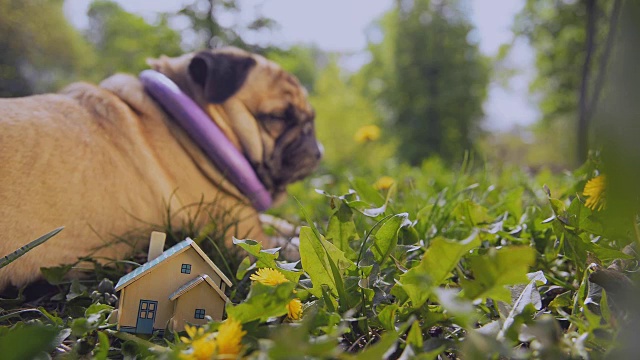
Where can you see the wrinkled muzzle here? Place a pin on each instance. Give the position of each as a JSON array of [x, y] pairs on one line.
[[296, 155]]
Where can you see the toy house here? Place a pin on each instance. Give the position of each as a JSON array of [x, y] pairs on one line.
[[176, 287]]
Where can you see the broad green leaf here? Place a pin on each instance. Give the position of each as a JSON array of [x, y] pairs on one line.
[[574, 212], [316, 255], [387, 317], [461, 309], [244, 266], [365, 208], [264, 259], [54, 319], [594, 320], [477, 345], [80, 326], [582, 218], [408, 235], [367, 292], [386, 238], [263, 302], [577, 247], [606, 254], [367, 192], [495, 270], [431, 354], [561, 301], [134, 346], [102, 350], [296, 342], [331, 256], [559, 208], [472, 213], [97, 308], [511, 330], [27, 342], [95, 316], [513, 202], [76, 290], [572, 246], [56, 275], [342, 230], [414, 336], [523, 295], [581, 294], [329, 301], [416, 284], [369, 201], [439, 260]]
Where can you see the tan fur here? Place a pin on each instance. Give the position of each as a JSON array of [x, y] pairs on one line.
[[103, 161]]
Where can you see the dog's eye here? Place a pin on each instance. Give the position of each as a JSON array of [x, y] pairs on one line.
[[274, 125]]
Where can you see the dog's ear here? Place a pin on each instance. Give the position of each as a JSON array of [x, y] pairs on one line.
[[219, 74]]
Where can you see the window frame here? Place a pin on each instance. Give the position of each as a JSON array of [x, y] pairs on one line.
[[185, 269], [200, 312]]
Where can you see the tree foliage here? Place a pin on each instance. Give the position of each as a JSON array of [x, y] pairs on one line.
[[572, 40], [206, 30], [38, 48], [123, 41], [305, 62], [40, 51], [430, 77], [341, 110]]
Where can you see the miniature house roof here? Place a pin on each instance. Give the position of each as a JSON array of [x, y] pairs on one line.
[[176, 249], [195, 282]]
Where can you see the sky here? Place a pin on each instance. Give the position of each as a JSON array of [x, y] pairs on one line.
[[340, 25]]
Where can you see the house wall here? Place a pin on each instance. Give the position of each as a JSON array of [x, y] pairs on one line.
[[158, 284], [200, 297]]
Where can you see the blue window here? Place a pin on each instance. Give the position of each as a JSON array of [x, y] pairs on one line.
[[186, 269], [199, 314]]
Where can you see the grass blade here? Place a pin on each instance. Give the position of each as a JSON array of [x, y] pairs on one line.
[[30, 246]]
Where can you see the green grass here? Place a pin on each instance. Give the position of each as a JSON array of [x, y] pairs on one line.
[[476, 262]]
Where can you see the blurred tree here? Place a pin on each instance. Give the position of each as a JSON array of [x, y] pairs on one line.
[[573, 41], [430, 77], [123, 41], [206, 31], [341, 111], [39, 50], [303, 61]]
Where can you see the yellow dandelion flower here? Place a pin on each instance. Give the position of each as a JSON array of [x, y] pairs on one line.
[[268, 276], [294, 309], [384, 183], [227, 344], [367, 133], [193, 332], [200, 349], [229, 339], [595, 190]]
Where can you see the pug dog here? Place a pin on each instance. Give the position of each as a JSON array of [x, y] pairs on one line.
[[105, 160]]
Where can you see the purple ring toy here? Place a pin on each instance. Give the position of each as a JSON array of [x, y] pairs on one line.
[[208, 136]]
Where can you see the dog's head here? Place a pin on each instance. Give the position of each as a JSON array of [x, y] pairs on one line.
[[261, 108]]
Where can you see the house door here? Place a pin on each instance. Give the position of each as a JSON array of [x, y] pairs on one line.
[[146, 316]]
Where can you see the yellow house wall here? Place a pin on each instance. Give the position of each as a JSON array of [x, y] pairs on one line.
[[200, 297], [158, 284]]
